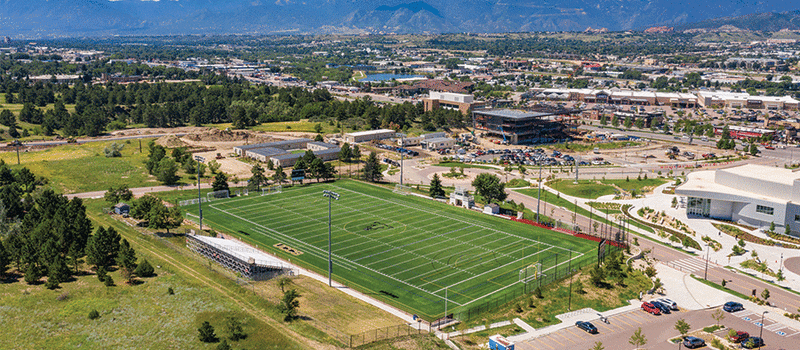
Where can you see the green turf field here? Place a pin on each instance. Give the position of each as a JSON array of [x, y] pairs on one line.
[[408, 251]]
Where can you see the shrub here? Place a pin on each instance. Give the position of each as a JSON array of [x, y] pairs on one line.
[[109, 282], [93, 315], [144, 269], [170, 291], [206, 333]]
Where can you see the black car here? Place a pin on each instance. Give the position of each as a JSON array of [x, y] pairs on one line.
[[732, 306], [661, 306], [586, 326], [752, 343], [693, 342]]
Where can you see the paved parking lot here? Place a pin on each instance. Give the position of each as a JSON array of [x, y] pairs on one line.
[[659, 329]]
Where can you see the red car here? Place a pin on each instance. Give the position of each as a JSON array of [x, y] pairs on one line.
[[650, 308], [739, 337]]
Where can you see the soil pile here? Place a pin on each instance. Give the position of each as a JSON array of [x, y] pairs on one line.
[[217, 135], [171, 141]]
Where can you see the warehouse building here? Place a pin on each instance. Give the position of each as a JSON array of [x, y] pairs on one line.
[[287, 160], [369, 135], [262, 154], [284, 145], [750, 194]]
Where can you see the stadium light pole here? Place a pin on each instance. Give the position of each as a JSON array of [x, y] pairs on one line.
[[539, 195], [331, 196], [199, 160]]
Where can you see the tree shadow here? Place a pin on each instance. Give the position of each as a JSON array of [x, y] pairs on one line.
[[10, 277]]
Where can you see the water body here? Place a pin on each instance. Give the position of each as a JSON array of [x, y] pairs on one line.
[[389, 77]]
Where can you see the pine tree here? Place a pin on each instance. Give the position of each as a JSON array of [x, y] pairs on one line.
[[436, 189], [5, 259], [372, 168], [126, 260], [103, 247]]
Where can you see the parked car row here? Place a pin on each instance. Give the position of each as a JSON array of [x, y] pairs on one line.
[[406, 151]]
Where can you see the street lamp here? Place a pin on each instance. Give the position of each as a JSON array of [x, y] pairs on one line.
[[199, 160], [761, 333], [331, 195], [705, 274]]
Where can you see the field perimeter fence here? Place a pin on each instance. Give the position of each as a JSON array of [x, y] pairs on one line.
[[555, 267], [390, 332]]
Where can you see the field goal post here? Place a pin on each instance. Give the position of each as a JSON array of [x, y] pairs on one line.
[[530, 272], [402, 189], [218, 195], [271, 190]]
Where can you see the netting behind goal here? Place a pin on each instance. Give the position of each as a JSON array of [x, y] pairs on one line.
[[402, 189], [271, 190], [191, 201], [218, 195], [531, 272]]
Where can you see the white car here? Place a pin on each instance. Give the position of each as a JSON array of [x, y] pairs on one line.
[[671, 304]]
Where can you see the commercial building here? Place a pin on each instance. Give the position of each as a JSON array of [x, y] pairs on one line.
[[741, 132], [369, 135], [717, 99], [617, 97], [750, 194], [521, 127], [453, 101]]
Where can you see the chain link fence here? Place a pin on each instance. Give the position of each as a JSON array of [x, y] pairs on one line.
[[390, 332]]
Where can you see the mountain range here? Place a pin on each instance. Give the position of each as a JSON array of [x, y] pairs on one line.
[[65, 18]]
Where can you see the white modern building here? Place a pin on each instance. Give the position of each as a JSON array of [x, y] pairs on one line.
[[750, 194], [369, 135]]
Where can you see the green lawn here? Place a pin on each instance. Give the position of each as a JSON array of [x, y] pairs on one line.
[[76, 168], [561, 202], [593, 189], [407, 251]]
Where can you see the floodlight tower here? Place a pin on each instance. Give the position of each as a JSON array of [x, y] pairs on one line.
[[331, 196], [199, 160]]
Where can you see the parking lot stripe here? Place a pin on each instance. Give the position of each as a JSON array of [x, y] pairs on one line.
[[545, 344], [553, 337], [621, 320], [560, 334], [632, 319], [574, 334]]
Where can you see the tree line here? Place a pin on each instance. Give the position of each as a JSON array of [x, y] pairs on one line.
[[114, 106]]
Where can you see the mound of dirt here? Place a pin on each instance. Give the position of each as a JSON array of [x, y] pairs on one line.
[[217, 135], [171, 141]]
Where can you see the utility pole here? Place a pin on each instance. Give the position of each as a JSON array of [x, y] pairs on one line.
[[331, 195], [402, 157], [199, 160]]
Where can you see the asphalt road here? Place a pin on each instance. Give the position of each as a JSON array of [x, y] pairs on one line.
[[659, 330]]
